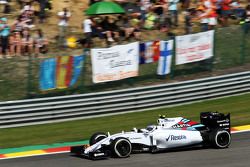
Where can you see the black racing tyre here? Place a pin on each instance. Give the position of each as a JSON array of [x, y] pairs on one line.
[[220, 138], [96, 137], [121, 147]]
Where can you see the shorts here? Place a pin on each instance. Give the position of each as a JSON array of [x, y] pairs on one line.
[[226, 13], [212, 21]]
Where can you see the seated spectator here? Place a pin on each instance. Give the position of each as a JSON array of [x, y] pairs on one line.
[[15, 42], [237, 9], [40, 42], [129, 27], [27, 42], [107, 26]]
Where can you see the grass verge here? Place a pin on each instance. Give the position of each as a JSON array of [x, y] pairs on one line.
[[238, 106]]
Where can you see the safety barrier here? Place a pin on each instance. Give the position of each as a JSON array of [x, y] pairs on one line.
[[74, 107]]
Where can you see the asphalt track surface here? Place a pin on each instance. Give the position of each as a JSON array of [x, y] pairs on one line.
[[237, 155]]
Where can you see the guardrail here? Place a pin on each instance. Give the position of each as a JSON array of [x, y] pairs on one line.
[[74, 107]]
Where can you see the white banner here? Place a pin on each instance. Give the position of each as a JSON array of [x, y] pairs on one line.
[[194, 47], [115, 63]]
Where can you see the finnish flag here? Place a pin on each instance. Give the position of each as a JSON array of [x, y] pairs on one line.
[[164, 64]]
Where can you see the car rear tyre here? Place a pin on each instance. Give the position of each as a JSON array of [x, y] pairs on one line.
[[96, 137], [220, 138], [121, 147]]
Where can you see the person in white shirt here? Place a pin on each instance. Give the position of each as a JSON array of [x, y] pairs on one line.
[[87, 30], [173, 10], [64, 17]]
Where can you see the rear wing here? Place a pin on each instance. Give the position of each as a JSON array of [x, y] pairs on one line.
[[215, 120]]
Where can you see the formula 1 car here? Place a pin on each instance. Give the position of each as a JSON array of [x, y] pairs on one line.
[[168, 134]]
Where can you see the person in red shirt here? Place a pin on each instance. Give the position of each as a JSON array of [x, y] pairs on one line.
[[226, 11]]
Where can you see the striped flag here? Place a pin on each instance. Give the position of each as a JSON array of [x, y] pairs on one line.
[[149, 52], [63, 71], [48, 74], [164, 65], [77, 68]]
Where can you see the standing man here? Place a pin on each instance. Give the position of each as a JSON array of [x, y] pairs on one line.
[[87, 30], [173, 10], [64, 17]]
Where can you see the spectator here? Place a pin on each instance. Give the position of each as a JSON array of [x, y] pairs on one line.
[[145, 5], [96, 28], [4, 35], [188, 21], [108, 29], [211, 13], [237, 9], [40, 42], [87, 23], [173, 10], [19, 25], [246, 19], [27, 42], [151, 20], [160, 8], [15, 43], [64, 17], [226, 11], [202, 16], [42, 7]]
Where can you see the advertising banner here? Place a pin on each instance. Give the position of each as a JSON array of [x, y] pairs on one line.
[[194, 47], [115, 63]]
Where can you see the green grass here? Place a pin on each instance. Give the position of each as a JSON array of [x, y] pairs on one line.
[[238, 106]]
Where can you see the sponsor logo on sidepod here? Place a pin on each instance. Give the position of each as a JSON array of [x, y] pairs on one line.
[[173, 137]]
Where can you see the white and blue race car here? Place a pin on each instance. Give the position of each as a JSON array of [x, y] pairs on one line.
[[169, 133]]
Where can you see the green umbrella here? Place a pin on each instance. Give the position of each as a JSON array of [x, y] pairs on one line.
[[104, 7]]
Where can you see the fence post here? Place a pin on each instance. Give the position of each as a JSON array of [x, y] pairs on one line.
[[214, 53], [29, 77], [173, 58], [85, 55], [243, 41]]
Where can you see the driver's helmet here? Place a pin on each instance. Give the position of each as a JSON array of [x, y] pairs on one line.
[[150, 127]]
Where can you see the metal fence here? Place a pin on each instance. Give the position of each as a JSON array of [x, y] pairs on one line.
[[74, 107], [19, 77]]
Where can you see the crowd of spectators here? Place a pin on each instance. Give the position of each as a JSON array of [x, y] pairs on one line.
[[164, 15], [22, 36]]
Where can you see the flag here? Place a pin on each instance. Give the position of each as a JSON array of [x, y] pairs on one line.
[[48, 74], [77, 68], [164, 64], [149, 52], [63, 71]]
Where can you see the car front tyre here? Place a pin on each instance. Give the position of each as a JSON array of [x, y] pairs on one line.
[[121, 147], [96, 137]]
